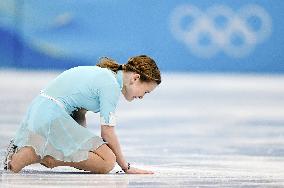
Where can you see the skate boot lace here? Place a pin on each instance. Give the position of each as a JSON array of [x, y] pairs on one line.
[[11, 149]]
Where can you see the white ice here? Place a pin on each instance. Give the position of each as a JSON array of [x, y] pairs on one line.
[[195, 130]]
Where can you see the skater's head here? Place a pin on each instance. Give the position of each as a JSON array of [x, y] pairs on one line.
[[141, 75]]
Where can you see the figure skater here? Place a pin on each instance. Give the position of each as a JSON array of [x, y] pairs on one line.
[[53, 131]]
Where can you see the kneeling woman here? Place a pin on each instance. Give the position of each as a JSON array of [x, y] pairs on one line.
[[53, 131]]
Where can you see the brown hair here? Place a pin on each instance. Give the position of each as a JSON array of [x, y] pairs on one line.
[[143, 65]]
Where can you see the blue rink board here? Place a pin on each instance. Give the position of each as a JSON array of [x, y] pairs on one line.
[[197, 36]]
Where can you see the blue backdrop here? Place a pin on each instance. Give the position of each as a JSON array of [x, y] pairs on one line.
[[197, 35]]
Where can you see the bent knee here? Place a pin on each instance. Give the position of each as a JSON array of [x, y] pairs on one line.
[[107, 164], [106, 168], [110, 163], [110, 159]]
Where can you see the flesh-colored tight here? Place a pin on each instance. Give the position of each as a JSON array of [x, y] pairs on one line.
[[102, 160]]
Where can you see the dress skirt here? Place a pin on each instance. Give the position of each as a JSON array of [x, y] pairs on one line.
[[50, 130]]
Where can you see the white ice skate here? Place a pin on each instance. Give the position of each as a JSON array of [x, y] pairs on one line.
[[11, 149]]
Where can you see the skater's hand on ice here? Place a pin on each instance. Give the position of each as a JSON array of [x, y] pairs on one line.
[[133, 170]]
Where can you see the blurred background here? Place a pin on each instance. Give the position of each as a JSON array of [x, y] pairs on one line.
[[198, 36], [216, 119]]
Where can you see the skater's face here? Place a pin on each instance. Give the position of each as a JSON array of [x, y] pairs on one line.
[[136, 89]]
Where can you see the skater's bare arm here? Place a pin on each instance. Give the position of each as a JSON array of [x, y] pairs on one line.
[[109, 135]]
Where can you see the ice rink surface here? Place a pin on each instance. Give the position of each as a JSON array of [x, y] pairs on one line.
[[194, 130]]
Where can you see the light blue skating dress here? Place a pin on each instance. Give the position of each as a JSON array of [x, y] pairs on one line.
[[48, 126]]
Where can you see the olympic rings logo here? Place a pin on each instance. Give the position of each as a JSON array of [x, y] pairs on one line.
[[236, 37]]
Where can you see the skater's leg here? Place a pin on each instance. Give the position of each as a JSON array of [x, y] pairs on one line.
[[102, 161]]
